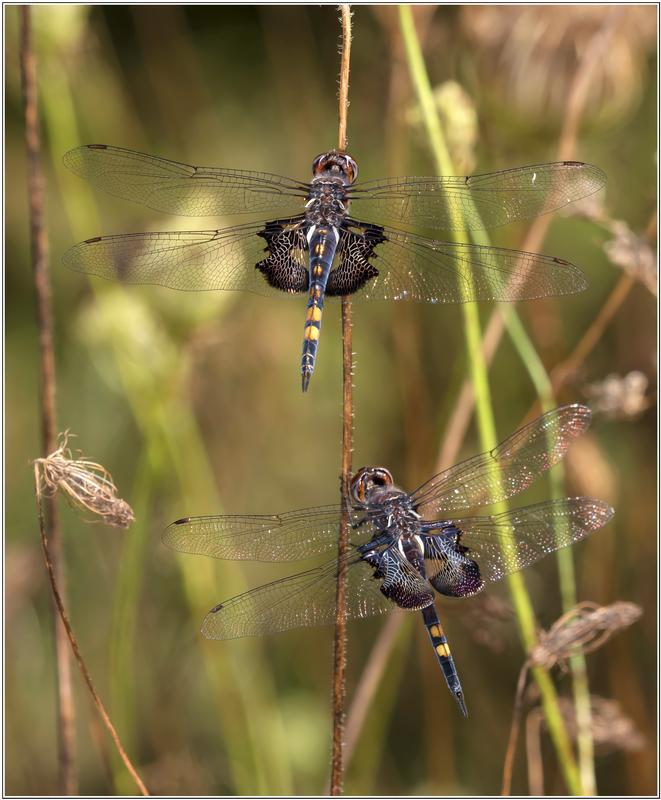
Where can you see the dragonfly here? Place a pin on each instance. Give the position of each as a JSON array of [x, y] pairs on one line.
[[405, 548], [311, 245]]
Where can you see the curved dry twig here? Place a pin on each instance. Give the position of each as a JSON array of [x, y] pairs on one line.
[[76, 650]]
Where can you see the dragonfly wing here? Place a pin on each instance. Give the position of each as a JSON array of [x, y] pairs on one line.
[[176, 188], [402, 583], [293, 536], [384, 264], [265, 258], [477, 201], [476, 550], [301, 600], [507, 469]]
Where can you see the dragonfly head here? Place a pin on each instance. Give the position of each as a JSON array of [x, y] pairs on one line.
[[366, 480], [335, 165]]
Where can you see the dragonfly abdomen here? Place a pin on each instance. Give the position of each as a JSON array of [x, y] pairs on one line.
[[322, 241], [445, 660]]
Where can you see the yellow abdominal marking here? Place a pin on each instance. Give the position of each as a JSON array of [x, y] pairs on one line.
[[319, 248], [435, 631], [317, 271], [314, 314], [443, 650], [311, 332]]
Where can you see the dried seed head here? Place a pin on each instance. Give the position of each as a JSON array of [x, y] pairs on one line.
[[633, 254], [585, 627], [86, 484], [620, 397]]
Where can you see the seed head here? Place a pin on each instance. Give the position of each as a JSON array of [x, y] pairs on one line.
[[85, 484], [585, 627]]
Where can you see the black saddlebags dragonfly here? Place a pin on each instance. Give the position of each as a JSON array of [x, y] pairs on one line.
[[315, 247], [404, 547]]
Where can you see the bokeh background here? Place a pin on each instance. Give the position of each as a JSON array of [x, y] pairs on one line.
[[192, 401]]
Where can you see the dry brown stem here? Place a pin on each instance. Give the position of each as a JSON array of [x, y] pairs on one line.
[[534, 752], [72, 641], [584, 628], [340, 641], [66, 733], [462, 413]]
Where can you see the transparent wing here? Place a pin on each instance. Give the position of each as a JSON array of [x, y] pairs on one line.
[[507, 469], [224, 259], [279, 537], [301, 600], [176, 188], [402, 266], [507, 542], [477, 201]]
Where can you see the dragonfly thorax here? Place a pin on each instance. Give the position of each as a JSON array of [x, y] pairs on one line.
[[327, 203], [390, 510]]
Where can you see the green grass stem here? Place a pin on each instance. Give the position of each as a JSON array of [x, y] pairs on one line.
[[478, 372]]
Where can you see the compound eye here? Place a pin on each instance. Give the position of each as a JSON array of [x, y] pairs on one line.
[[318, 163], [351, 169], [382, 477], [359, 484]]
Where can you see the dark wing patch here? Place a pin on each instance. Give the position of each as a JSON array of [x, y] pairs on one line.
[[286, 265], [402, 583], [453, 573], [513, 540], [226, 259], [354, 252], [415, 268]]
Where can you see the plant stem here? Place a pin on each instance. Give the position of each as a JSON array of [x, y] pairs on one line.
[[76, 650], [486, 424], [66, 717], [340, 641]]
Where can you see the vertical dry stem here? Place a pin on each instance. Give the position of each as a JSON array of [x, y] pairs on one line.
[[39, 246], [514, 731], [340, 643]]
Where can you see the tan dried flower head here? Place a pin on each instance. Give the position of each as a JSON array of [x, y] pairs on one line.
[[586, 627], [620, 396], [633, 254], [85, 484]]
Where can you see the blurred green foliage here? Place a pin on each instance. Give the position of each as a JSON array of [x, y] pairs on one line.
[[193, 401]]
